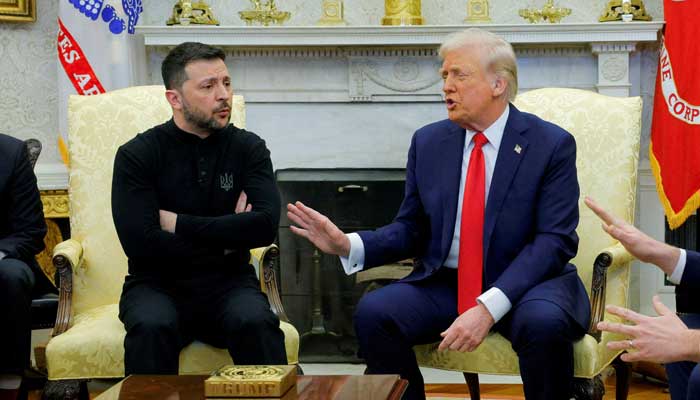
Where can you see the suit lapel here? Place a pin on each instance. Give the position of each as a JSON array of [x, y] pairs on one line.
[[451, 152], [507, 163]]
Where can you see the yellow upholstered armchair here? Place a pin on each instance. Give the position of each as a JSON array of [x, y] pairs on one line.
[[607, 132], [88, 338]]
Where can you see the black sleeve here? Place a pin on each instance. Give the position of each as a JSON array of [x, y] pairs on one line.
[[247, 230], [25, 211], [136, 213]]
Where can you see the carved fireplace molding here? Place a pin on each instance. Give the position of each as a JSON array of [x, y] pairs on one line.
[[393, 63]]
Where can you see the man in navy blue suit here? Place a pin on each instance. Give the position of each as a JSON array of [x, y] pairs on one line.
[[667, 338], [489, 212]]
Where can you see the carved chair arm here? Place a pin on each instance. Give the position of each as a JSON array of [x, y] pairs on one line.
[[67, 256], [613, 256], [267, 258]]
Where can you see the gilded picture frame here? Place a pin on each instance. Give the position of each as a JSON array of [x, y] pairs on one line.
[[17, 10]]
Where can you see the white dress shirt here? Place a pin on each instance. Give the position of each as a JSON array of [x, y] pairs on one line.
[[677, 274], [493, 299]]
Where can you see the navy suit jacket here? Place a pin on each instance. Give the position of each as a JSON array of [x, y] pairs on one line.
[[529, 222], [691, 273], [22, 225]]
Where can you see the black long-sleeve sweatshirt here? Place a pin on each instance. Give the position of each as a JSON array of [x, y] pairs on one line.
[[166, 168]]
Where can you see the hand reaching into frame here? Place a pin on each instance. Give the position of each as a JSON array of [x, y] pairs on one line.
[[638, 243], [660, 339], [318, 229]]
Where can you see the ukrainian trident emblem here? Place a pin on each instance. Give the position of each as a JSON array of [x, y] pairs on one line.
[[226, 181]]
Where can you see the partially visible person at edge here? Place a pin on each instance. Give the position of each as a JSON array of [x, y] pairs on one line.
[[671, 339], [22, 230]]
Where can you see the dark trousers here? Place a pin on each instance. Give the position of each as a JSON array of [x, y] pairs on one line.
[[684, 376], [391, 320], [225, 309], [16, 283]]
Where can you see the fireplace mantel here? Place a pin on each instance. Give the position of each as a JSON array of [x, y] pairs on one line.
[[609, 43], [425, 35]]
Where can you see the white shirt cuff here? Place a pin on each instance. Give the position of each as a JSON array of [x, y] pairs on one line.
[[496, 302], [677, 274], [355, 261], [2, 255]]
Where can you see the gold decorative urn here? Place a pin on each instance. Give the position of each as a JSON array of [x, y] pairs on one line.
[[402, 12]]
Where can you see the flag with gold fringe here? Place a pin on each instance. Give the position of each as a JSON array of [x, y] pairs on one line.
[[674, 151]]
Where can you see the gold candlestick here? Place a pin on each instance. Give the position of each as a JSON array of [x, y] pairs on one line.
[[402, 12], [332, 13]]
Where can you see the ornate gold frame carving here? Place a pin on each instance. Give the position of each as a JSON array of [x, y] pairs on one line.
[[18, 10], [55, 203]]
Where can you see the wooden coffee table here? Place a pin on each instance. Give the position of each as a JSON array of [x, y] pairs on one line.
[[308, 387]]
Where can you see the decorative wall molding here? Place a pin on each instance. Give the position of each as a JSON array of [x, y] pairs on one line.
[[51, 176], [394, 79], [367, 52], [425, 35]]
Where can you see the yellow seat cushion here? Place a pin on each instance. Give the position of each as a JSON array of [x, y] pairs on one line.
[[495, 356], [94, 348]]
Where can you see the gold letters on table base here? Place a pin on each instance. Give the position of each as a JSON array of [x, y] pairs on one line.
[[331, 13], [548, 13], [264, 14], [251, 381], [402, 12], [477, 11], [191, 12], [625, 10]]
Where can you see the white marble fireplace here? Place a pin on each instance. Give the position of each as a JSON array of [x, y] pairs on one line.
[[353, 96]]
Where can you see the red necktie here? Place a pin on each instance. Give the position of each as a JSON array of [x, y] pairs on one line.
[[471, 232]]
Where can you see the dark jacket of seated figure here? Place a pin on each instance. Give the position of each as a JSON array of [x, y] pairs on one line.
[[22, 230]]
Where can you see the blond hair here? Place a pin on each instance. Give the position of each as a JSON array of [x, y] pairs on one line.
[[498, 56]]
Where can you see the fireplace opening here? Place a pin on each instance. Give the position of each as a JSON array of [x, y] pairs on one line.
[[317, 295]]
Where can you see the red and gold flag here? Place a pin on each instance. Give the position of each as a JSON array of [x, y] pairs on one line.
[[675, 132]]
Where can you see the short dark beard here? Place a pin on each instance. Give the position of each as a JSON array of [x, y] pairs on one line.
[[201, 121]]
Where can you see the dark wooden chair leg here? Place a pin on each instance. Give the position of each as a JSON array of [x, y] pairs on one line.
[[70, 389], [623, 374], [473, 384], [588, 389]]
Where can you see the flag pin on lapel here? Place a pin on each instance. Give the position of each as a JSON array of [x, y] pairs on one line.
[[518, 149]]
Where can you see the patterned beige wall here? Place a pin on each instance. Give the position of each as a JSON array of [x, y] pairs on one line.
[[28, 89], [28, 99]]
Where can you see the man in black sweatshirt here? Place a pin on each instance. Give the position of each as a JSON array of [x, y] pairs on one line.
[[190, 198]]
